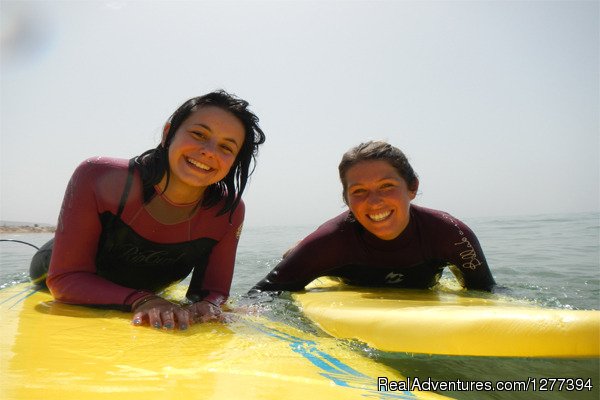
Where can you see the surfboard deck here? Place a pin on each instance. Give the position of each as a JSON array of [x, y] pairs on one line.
[[50, 350], [445, 323]]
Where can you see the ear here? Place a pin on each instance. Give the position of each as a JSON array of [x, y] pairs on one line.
[[165, 133], [412, 191]]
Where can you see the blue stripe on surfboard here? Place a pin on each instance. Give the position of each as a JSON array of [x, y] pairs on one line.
[[333, 369], [295, 342], [25, 293]]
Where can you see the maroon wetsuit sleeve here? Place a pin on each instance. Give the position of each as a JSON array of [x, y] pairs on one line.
[[72, 275], [463, 252], [314, 256], [219, 271]]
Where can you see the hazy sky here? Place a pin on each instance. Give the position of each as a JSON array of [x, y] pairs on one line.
[[496, 104]]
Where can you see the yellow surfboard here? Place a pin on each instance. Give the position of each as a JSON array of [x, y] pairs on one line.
[[442, 322], [54, 351]]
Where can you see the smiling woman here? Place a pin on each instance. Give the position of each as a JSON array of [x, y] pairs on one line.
[[130, 228], [383, 239]]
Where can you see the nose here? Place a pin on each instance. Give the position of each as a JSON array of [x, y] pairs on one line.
[[374, 199], [208, 148]]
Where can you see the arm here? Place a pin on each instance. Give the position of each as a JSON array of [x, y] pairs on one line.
[[211, 290], [281, 278], [467, 259], [72, 275], [94, 188], [314, 256], [219, 272]]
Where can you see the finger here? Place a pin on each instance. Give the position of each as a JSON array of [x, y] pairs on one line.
[[216, 310], [168, 319], [211, 316], [194, 314], [223, 317], [229, 317], [213, 310], [138, 318], [154, 316], [207, 318], [183, 318]]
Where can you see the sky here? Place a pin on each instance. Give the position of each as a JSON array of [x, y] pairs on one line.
[[495, 103]]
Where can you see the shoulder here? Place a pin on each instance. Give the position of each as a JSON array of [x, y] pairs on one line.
[[438, 221], [237, 217], [102, 162], [209, 223], [322, 245], [98, 166], [103, 175], [237, 214], [429, 215], [240, 209], [337, 227]]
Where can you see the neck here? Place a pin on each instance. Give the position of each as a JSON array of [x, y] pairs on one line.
[[179, 197]]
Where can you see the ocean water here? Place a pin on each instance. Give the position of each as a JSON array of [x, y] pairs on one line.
[[552, 260]]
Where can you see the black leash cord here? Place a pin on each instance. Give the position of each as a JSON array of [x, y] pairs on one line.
[[20, 241]]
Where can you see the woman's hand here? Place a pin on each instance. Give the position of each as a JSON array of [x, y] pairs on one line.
[[160, 313], [205, 311]]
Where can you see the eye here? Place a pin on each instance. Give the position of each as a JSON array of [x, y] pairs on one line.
[[198, 134], [387, 186], [227, 149], [358, 192]]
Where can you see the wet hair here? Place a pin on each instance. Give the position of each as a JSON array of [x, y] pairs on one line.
[[377, 151], [154, 163]]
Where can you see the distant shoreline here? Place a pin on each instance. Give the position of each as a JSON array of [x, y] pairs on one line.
[[26, 229]]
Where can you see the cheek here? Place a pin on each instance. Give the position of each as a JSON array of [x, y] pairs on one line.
[[227, 161], [355, 206], [175, 147], [399, 197], [171, 155]]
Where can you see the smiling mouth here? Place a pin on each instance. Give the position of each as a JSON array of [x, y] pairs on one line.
[[380, 216], [198, 164]]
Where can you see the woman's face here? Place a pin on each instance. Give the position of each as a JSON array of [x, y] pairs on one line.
[[379, 198], [204, 148]]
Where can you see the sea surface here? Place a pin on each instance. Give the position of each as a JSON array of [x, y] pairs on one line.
[[552, 260]]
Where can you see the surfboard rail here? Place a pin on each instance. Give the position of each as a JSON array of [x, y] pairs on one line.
[[437, 322]]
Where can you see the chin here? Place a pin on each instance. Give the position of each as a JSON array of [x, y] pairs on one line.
[[384, 234], [386, 237]]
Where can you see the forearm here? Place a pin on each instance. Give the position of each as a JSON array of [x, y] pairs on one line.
[[270, 283], [483, 280], [87, 288], [214, 284]]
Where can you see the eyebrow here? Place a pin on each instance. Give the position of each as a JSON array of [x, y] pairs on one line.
[[204, 126], [231, 140], [385, 178]]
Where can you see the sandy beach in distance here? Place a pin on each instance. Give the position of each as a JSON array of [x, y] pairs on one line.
[[26, 229]]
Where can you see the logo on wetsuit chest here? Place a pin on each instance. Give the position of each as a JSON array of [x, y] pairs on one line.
[[393, 278], [133, 254]]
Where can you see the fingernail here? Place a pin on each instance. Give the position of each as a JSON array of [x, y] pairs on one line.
[[157, 325], [183, 327], [137, 321], [168, 325]]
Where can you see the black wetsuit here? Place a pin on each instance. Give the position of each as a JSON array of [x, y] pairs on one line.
[[415, 259]]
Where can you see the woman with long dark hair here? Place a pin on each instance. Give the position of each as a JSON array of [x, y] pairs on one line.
[[130, 228]]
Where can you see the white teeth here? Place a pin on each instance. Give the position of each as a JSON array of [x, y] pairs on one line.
[[199, 164], [380, 216]]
